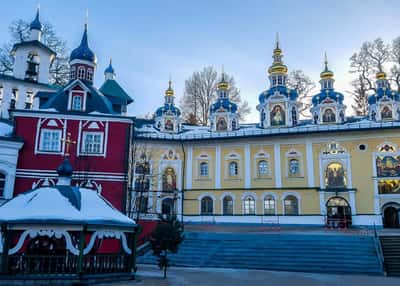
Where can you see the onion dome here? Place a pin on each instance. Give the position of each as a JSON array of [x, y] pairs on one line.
[[169, 107], [223, 84], [83, 52], [169, 91], [326, 73], [65, 169], [277, 66], [383, 89], [36, 24], [109, 69]]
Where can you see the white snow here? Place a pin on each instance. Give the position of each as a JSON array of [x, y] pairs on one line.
[[5, 129], [48, 203]]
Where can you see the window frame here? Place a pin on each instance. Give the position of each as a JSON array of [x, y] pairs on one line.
[[285, 210], [267, 201], [206, 204], [85, 134], [249, 203], [266, 167], [81, 73], [204, 173], [235, 169], [74, 96], [41, 141], [225, 205]]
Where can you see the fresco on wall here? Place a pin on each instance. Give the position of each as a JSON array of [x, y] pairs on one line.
[[221, 124], [335, 176], [389, 186], [329, 116], [388, 166], [169, 180], [277, 116]]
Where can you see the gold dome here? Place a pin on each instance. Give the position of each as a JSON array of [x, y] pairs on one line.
[[326, 73], [169, 91], [381, 75], [278, 68]]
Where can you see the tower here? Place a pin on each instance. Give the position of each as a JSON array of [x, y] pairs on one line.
[[32, 57], [327, 105], [223, 114], [278, 105], [167, 118]]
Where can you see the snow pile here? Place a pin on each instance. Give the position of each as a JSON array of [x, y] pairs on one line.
[[5, 129]]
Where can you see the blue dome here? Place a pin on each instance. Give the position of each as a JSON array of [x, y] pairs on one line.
[[324, 94], [168, 109], [83, 52], [109, 69], [65, 169], [36, 24], [381, 92], [224, 104], [283, 90]]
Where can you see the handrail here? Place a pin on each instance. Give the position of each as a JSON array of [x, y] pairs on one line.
[[378, 248]]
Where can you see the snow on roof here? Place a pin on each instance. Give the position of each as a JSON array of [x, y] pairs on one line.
[[191, 132], [63, 205], [6, 129]]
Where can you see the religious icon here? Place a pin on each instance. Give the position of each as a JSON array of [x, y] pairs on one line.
[[329, 116], [294, 167], [221, 124], [169, 125], [277, 116], [388, 166], [386, 113], [335, 176], [169, 180]]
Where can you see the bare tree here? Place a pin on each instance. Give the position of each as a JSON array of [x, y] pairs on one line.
[[360, 96], [19, 32], [395, 58], [304, 86], [201, 91]]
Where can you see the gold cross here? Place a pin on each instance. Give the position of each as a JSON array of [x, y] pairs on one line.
[[67, 142]]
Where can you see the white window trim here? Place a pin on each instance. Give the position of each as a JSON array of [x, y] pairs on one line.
[[286, 194], [78, 73], [213, 198], [274, 196], [294, 154], [254, 196], [260, 156], [40, 143], [82, 147], [77, 92], [228, 194]]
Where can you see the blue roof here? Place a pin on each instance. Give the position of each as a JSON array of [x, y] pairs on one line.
[[381, 92], [109, 69], [225, 104], [327, 93], [65, 169], [168, 109], [83, 52], [36, 24], [283, 90]]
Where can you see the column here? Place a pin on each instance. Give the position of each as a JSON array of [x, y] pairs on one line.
[[322, 206], [277, 157], [218, 167], [20, 104], [189, 167], [247, 167], [5, 103], [310, 164], [352, 201]]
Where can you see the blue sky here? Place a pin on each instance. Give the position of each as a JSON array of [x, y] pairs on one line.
[[150, 40]]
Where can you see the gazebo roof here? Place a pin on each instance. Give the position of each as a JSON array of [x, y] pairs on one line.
[[63, 205]]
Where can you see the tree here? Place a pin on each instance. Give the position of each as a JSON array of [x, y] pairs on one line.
[[19, 31], [304, 86], [167, 237], [201, 91]]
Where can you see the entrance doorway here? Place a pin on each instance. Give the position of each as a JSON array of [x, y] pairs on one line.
[[338, 212], [391, 215]]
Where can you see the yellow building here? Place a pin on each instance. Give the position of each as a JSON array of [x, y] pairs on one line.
[[330, 169]]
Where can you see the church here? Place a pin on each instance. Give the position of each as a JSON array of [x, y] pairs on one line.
[[332, 169]]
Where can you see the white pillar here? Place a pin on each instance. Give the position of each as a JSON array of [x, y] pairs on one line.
[[310, 164], [189, 168], [322, 203], [352, 199], [5, 104], [277, 157], [218, 167], [20, 104], [247, 167]]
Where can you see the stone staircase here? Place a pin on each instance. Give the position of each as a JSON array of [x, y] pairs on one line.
[[391, 254], [288, 252]]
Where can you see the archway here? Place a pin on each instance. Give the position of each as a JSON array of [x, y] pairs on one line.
[[391, 213], [338, 212]]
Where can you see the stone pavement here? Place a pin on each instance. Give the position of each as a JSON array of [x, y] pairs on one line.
[[151, 276]]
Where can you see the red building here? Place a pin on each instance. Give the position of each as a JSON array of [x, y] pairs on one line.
[[87, 123]]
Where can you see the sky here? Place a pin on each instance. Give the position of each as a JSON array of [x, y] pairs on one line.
[[151, 40]]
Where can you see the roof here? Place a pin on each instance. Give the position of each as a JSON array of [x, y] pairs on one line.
[[381, 92], [33, 43], [145, 130], [327, 94], [225, 104], [6, 128], [112, 90], [35, 24], [283, 90], [10, 77], [169, 109], [83, 52], [63, 205], [95, 101]]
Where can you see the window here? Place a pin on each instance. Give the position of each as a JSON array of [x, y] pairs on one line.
[[92, 143], [290, 205], [203, 169], [233, 169], [269, 205], [141, 204], [2, 184], [167, 206], [206, 206], [76, 102], [81, 72], [262, 168], [227, 206], [294, 167], [28, 100], [72, 73], [249, 206], [234, 124], [89, 75], [50, 140]]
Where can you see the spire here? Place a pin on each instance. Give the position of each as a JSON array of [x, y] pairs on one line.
[[36, 24], [277, 40], [109, 72], [83, 52], [223, 84], [326, 74], [169, 91]]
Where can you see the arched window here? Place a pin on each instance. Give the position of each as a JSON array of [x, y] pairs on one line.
[[2, 184], [72, 73], [206, 206], [81, 73], [233, 169], [335, 176], [269, 205], [167, 206], [89, 75], [291, 205], [203, 169], [227, 205], [328, 116], [262, 168], [249, 206]]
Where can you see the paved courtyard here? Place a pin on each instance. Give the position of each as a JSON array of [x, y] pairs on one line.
[[152, 276]]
